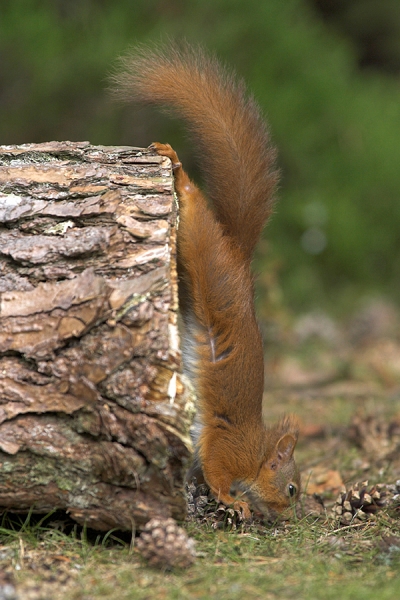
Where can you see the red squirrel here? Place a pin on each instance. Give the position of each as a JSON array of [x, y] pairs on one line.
[[223, 351]]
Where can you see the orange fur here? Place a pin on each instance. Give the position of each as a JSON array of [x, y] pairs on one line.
[[215, 248]]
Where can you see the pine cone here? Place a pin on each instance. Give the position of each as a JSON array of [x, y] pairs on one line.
[[227, 518], [200, 500], [166, 545], [360, 503], [377, 437], [393, 498], [203, 507]]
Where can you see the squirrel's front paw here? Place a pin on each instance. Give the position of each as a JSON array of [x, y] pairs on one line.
[[243, 508]]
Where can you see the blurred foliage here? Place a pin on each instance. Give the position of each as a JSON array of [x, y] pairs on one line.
[[372, 25], [335, 232]]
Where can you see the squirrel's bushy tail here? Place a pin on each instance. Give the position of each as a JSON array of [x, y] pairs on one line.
[[232, 140]]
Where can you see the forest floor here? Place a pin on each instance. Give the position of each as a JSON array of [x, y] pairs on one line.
[[342, 541]]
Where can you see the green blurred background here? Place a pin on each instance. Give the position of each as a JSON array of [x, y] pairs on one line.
[[326, 73]]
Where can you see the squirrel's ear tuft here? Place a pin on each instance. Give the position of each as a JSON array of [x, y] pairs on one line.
[[289, 424]]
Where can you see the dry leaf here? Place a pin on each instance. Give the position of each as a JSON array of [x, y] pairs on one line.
[[320, 480]]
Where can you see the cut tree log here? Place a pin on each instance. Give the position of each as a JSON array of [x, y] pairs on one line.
[[94, 413]]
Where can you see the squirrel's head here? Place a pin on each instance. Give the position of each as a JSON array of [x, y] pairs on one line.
[[277, 485]]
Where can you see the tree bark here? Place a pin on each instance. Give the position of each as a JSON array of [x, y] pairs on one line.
[[94, 416]]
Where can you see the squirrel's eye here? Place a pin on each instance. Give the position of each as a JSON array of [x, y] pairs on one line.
[[292, 490]]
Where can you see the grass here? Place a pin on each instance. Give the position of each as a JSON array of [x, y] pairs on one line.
[[305, 559]]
